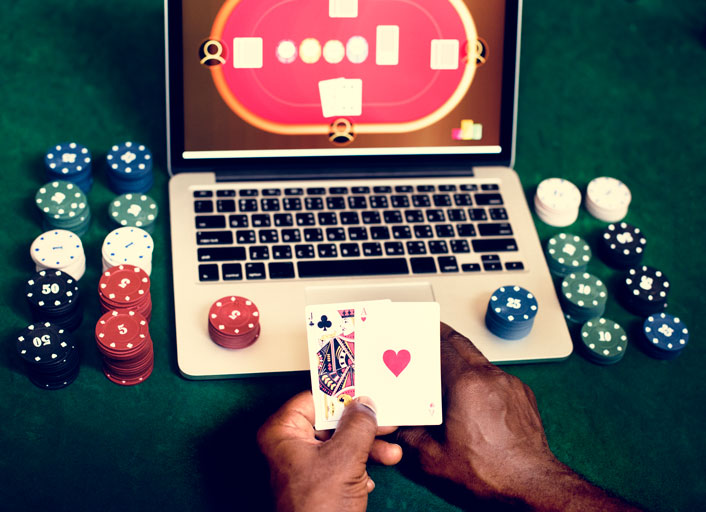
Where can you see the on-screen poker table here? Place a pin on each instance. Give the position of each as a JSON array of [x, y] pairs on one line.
[[610, 87]]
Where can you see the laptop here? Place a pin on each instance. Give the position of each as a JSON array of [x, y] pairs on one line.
[[328, 151]]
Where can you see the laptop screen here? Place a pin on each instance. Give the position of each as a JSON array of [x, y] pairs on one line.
[[253, 80]]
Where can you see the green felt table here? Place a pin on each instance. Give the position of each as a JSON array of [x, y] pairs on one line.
[[608, 87]]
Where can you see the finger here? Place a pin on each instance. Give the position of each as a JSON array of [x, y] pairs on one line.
[[370, 485], [356, 430], [294, 420], [385, 453], [422, 443], [465, 347]]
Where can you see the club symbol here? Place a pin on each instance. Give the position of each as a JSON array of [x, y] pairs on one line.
[[311, 319], [324, 323]]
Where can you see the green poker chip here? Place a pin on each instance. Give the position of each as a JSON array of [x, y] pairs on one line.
[[567, 253], [61, 200], [603, 341], [583, 296], [136, 210]]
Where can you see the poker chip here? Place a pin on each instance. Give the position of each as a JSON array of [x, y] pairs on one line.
[[234, 322], [50, 358], [70, 161], [608, 199], [557, 202], [644, 291], [665, 336], [123, 288], [138, 210], [124, 341], [53, 296], [63, 205], [567, 254], [603, 341], [511, 312], [61, 250], [128, 245], [583, 297], [622, 246], [129, 168]]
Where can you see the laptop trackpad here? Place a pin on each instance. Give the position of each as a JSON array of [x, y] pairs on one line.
[[410, 292]]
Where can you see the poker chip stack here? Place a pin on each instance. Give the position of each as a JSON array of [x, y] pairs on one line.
[[234, 322], [124, 341], [124, 288], [138, 210], [665, 336], [608, 199], [63, 206], [511, 312], [622, 246], [50, 358], [70, 162], [557, 202], [129, 168], [128, 245], [603, 341], [567, 254], [583, 297], [644, 291], [53, 296], [61, 250]]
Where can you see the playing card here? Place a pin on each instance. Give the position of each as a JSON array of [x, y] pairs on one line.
[[341, 97], [398, 361], [331, 335]]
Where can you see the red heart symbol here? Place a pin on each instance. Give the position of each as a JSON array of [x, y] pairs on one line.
[[396, 361]]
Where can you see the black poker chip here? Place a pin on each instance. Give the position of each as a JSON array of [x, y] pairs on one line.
[[53, 296], [644, 291], [622, 246], [50, 358]]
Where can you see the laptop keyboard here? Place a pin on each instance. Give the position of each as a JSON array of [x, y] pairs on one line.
[[337, 231]]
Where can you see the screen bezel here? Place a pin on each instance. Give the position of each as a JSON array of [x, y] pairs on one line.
[[303, 167]]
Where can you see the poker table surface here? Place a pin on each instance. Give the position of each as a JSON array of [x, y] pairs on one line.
[[609, 87]]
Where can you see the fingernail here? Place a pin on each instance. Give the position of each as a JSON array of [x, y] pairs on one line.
[[367, 402]]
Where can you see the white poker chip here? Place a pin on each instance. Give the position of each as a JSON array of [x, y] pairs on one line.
[[286, 51], [334, 51], [608, 199], [357, 49], [310, 50], [59, 249], [557, 202], [129, 245]]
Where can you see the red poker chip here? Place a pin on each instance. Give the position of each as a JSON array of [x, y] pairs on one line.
[[121, 334], [234, 342], [234, 316], [129, 381], [124, 284]]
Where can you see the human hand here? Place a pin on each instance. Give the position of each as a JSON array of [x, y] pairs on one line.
[[313, 470]]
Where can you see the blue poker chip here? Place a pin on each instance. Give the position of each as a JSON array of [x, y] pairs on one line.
[[511, 312], [665, 336], [129, 161], [67, 159]]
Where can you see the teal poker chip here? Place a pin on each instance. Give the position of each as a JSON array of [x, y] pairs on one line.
[[567, 253], [511, 312], [665, 336], [138, 210], [603, 341], [61, 200], [67, 159], [583, 297]]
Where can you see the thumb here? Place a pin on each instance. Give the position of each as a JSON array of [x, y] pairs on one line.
[[356, 430]]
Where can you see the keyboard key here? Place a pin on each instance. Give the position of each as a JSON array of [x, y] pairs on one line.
[[378, 201], [370, 217], [471, 267], [203, 206], [316, 191], [358, 233], [221, 254], [456, 215], [271, 192], [270, 204], [514, 265], [360, 190], [249, 192], [424, 265], [304, 251], [247, 205], [357, 202], [466, 230], [459, 246], [490, 257], [372, 249], [382, 190], [338, 190], [490, 187], [203, 193], [436, 216], [399, 201], [208, 272], [291, 204], [210, 222], [327, 218], [305, 219], [291, 235], [379, 233], [335, 203], [494, 245], [255, 270], [350, 250], [463, 199], [335, 234], [269, 236], [313, 235], [442, 200], [282, 252], [492, 266], [489, 199], [313, 203], [495, 229], [225, 193], [477, 214], [438, 247], [425, 188], [261, 220], [444, 230], [238, 221], [469, 188], [225, 205], [447, 188], [423, 231], [401, 232], [245, 236], [421, 201], [232, 271], [498, 213], [416, 247], [259, 252], [214, 237], [413, 216], [293, 191], [284, 220], [404, 189], [350, 268], [281, 270], [392, 216], [394, 248], [327, 250], [348, 218], [448, 264]]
